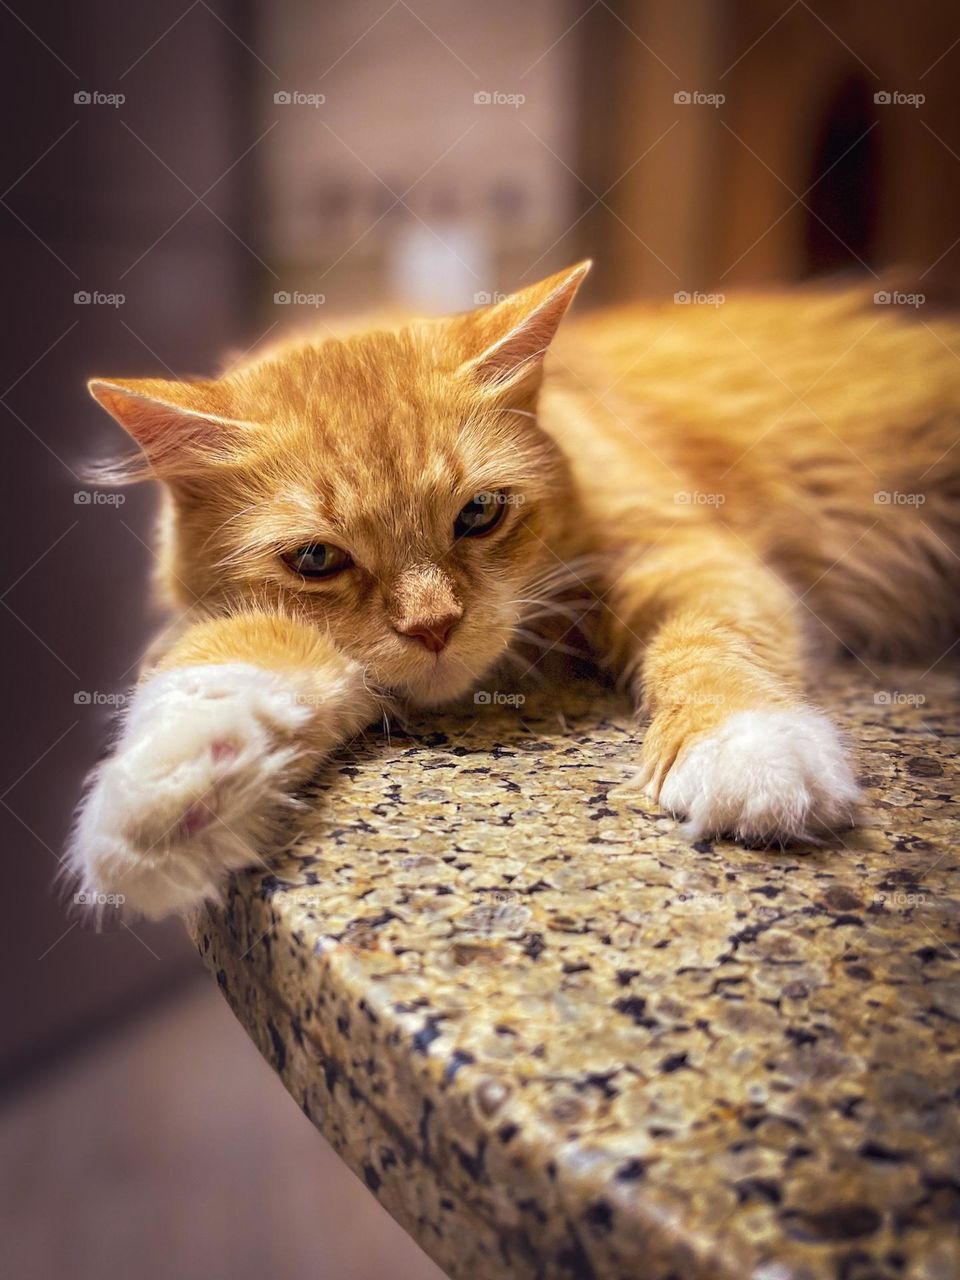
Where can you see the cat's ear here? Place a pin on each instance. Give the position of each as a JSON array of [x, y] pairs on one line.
[[179, 426], [517, 332]]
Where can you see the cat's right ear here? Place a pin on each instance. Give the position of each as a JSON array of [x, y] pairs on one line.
[[179, 426], [513, 335]]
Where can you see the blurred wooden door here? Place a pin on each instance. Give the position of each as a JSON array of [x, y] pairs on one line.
[[740, 143]]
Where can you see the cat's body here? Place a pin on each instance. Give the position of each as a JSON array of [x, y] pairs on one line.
[[707, 493], [820, 428]]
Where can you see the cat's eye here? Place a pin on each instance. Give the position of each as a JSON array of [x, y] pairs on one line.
[[317, 560], [481, 514]]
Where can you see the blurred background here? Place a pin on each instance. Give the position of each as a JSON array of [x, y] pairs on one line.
[[179, 181]]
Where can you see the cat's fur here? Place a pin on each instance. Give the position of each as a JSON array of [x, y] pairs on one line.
[[699, 483]]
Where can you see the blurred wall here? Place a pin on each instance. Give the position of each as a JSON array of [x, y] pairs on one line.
[[99, 201], [420, 154]]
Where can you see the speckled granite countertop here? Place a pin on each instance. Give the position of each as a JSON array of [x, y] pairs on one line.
[[556, 1041]]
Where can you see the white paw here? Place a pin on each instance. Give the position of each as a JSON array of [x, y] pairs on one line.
[[763, 775], [197, 773]]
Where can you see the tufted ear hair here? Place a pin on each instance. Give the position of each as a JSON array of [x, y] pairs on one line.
[[514, 334], [179, 426]]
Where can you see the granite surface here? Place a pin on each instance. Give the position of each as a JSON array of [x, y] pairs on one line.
[[557, 1041]]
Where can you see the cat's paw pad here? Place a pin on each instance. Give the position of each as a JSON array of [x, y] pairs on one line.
[[198, 771], [763, 776]]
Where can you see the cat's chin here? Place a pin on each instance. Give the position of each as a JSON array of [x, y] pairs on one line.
[[439, 687], [447, 681]]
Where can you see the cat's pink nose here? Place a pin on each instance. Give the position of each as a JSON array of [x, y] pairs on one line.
[[433, 633]]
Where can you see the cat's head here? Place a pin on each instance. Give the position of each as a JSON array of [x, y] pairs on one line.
[[393, 487]]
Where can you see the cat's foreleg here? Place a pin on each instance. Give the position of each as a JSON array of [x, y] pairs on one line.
[[213, 746], [711, 643]]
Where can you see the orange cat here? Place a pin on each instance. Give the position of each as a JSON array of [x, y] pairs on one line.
[[373, 519]]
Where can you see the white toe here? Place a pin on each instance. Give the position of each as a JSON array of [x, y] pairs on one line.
[[199, 768], [763, 775]]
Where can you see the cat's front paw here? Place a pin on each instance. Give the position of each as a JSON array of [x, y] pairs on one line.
[[204, 760], [773, 775]]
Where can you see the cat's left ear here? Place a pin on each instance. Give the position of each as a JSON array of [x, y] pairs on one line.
[[517, 332]]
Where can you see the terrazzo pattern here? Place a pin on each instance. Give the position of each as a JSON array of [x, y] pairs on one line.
[[557, 1041]]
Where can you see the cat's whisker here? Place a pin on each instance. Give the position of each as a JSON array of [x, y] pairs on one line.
[[575, 610], [578, 570], [575, 570], [510, 655], [542, 642]]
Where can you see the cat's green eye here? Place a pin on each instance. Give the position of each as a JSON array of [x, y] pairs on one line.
[[481, 515], [317, 560]]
